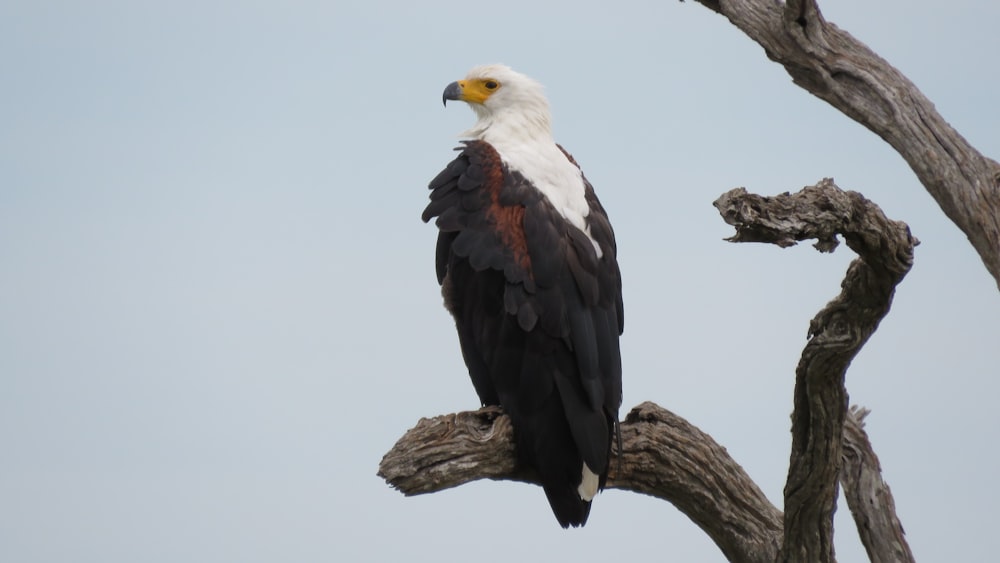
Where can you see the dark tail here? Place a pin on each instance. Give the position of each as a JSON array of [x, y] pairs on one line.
[[569, 508]]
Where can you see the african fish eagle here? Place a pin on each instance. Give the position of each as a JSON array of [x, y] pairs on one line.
[[526, 259]]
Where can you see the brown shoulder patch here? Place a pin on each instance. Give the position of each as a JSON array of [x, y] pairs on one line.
[[508, 219]]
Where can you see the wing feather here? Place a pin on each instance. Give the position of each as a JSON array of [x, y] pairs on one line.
[[538, 314]]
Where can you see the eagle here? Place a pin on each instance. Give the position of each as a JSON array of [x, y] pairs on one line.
[[527, 263]]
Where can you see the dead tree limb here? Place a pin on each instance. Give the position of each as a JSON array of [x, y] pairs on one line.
[[869, 497], [836, 334], [664, 456], [834, 66]]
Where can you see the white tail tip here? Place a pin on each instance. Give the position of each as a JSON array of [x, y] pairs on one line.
[[589, 482]]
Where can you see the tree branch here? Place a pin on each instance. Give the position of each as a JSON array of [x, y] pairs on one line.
[[834, 66], [663, 456], [837, 333], [666, 457], [869, 497]]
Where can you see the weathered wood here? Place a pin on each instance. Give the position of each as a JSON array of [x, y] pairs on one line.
[[869, 497], [451, 450], [836, 334], [834, 66], [663, 456], [666, 457]]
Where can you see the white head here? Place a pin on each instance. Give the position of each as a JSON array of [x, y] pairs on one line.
[[514, 119], [507, 103]]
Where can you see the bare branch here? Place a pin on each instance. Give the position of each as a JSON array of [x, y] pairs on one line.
[[837, 333], [664, 456], [869, 497], [667, 457], [451, 450], [832, 65]]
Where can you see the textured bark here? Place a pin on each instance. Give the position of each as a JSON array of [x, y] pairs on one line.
[[451, 450], [834, 66], [663, 456], [666, 457], [836, 334], [869, 497]]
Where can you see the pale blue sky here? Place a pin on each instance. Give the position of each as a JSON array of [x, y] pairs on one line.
[[218, 306]]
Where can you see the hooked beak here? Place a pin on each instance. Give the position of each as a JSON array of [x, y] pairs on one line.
[[452, 92]]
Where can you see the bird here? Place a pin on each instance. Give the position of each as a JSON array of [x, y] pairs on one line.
[[527, 262]]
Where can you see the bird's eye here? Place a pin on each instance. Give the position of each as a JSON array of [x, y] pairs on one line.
[[491, 85]]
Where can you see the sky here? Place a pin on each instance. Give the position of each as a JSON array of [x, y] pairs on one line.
[[218, 307]]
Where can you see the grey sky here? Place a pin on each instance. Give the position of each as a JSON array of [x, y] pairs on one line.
[[218, 306]]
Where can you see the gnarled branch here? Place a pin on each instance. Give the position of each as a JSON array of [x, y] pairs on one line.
[[665, 456], [834, 66], [837, 333]]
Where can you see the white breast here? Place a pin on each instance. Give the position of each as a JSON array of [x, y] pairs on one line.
[[548, 169]]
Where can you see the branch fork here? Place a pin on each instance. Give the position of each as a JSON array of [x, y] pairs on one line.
[[667, 457]]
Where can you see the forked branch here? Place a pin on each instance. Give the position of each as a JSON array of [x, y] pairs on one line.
[[831, 64], [666, 457], [837, 333], [663, 456]]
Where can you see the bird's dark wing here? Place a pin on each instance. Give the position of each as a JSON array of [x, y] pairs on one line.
[[538, 315]]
